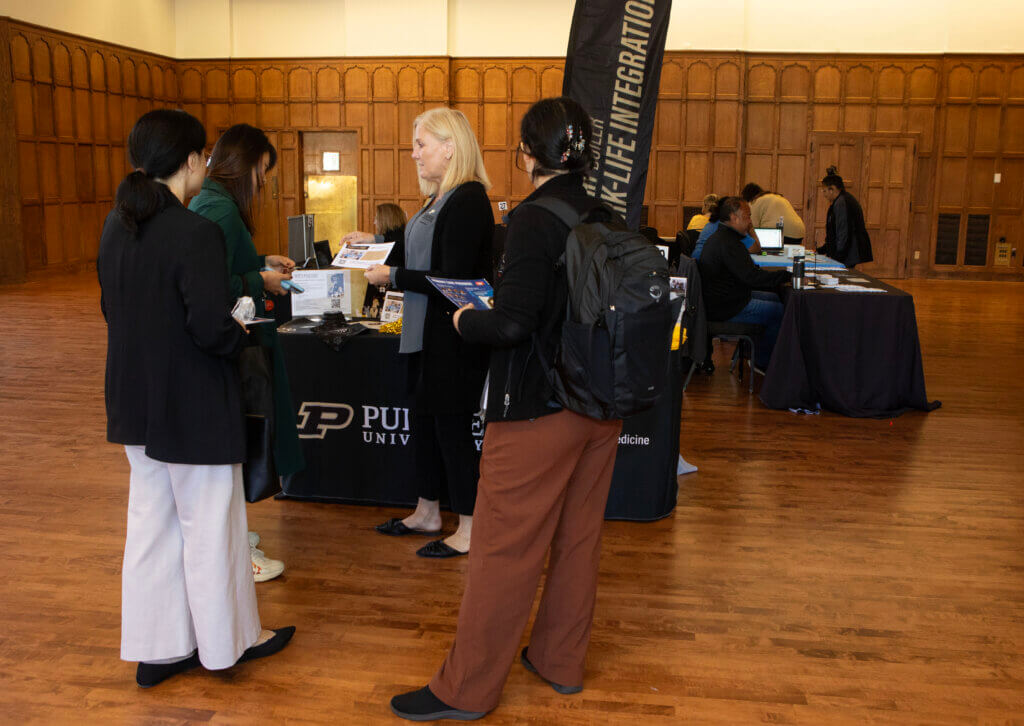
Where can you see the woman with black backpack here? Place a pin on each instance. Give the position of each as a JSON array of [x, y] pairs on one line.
[[546, 470]]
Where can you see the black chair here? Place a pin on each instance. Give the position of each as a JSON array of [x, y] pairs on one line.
[[739, 333]]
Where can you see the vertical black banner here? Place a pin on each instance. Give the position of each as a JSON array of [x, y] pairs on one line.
[[612, 68]]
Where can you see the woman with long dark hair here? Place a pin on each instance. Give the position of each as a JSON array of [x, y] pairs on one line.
[[545, 471], [238, 167], [173, 400], [846, 236], [449, 237]]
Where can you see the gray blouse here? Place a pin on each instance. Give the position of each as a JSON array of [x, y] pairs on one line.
[[419, 241]]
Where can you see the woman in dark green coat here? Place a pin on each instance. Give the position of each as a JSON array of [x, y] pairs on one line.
[[237, 168]]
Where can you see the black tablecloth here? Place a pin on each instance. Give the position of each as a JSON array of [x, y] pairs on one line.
[[857, 354], [354, 429]]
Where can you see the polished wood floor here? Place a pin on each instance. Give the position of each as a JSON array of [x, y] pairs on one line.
[[818, 570]]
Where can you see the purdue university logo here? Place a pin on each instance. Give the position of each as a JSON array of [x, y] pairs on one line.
[[316, 418]]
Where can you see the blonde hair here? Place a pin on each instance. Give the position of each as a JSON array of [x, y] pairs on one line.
[[467, 163], [389, 216]]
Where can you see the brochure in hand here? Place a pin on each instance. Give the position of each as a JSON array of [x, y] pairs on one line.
[[477, 293]]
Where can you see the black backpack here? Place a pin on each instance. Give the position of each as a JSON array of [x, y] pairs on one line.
[[613, 358]]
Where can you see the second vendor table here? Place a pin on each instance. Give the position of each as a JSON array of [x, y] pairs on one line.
[[353, 423]]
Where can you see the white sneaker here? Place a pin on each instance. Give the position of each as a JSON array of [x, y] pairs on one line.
[[264, 568], [254, 539]]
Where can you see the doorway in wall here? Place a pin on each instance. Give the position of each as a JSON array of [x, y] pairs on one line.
[[330, 183]]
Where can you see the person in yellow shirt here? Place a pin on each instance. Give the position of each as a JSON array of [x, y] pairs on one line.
[[699, 221], [767, 207]]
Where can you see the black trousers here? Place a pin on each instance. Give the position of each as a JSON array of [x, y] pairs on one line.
[[445, 454]]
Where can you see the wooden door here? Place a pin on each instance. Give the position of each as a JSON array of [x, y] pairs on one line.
[[878, 170], [268, 215]]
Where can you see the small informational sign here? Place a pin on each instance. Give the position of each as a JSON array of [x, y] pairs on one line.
[[326, 291], [392, 310], [502, 206], [363, 255], [332, 161], [1002, 254]]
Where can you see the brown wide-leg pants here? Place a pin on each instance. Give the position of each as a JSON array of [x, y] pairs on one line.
[[543, 484]]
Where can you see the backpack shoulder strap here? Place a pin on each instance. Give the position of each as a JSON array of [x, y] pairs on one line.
[[560, 208]]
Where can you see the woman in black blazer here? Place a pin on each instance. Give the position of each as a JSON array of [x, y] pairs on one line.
[[846, 236], [173, 400], [449, 237]]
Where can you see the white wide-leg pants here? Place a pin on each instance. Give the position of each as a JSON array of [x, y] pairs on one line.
[[187, 578]]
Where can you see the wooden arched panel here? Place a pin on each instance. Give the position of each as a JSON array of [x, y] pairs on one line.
[[272, 84], [671, 82], [924, 84], [524, 84], [990, 83], [142, 75], [113, 74], [357, 84], [384, 85], [796, 83], [79, 68], [699, 80], [191, 85], [891, 82], [97, 72], [328, 84], [727, 80], [41, 72], [216, 84], [408, 84], [61, 65], [64, 115], [169, 89], [859, 84], [1016, 92], [495, 84], [761, 82], [434, 83], [960, 84], [129, 77], [551, 82], [160, 84], [827, 84], [467, 84], [21, 57], [243, 85]]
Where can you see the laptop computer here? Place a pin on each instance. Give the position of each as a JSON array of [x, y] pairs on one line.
[[770, 239]]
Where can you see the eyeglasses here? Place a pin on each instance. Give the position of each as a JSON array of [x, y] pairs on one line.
[[519, 157]]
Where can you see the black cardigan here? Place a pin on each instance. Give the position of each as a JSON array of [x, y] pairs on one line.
[[846, 236], [529, 305], [727, 274], [172, 383], [452, 370]]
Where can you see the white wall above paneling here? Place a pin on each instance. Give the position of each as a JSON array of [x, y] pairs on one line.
[[495, 28]]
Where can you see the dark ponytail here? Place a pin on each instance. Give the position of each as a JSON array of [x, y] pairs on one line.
[[159, 144], [832, 179], [556, 133]]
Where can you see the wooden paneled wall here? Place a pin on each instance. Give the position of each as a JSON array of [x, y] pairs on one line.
[[723, 119]]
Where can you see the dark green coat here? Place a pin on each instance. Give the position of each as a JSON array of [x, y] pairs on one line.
[[244, 264]]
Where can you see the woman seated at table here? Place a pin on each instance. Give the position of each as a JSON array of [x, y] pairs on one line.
[[389, 226], [749, 240], [733, 286], [699, 221]]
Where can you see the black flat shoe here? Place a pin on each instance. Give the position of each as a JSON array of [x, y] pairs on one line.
[[423, 705], [396, 528], [439, 550], [279, 641], [148, 675], [564, 690]]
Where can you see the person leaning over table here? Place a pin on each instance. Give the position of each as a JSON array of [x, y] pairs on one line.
[[846, 236], [545, 472], [449, 237], [767, 207], [734, 288], [749, 240], [389, 223], [238, 167], [173, 399]]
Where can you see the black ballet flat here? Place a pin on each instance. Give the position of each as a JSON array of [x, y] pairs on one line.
[[564, 690], [439, 550], [396, 528], [275, 644], [423, 705], [148, 675]]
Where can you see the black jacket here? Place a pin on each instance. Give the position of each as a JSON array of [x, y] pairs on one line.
[[452, 370], [846, 236], [529, 305], [171, 383], [727, 275]]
